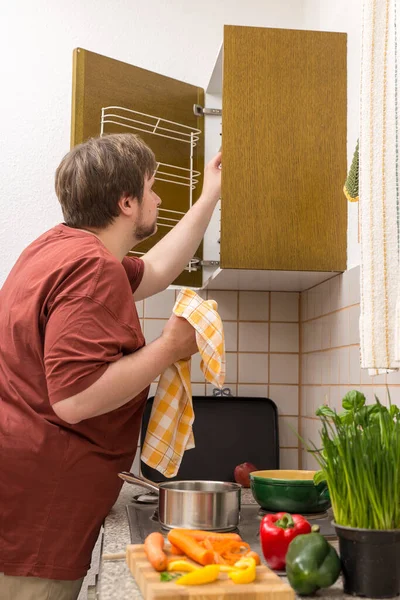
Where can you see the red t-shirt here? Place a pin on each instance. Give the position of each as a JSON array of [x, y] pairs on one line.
[[66, 313]]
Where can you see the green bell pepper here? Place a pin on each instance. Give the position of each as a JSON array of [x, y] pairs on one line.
[[311, 563]]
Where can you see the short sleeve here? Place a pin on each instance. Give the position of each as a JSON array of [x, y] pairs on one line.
[[134, 268], [82, 338]]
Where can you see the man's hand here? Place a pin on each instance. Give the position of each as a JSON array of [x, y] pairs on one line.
[[212, 179], [180, 337]]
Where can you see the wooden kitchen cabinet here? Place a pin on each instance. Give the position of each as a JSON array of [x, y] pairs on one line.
[[283, 214]]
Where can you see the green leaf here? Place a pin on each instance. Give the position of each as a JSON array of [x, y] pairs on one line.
[[353, 400], [319, 477], [325, 411], [165, 576]]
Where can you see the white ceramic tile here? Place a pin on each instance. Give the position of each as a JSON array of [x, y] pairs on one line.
[[315, 335], [304, 306], [288, 427], [198, 389], [354, 324], [231, 367], [139, 308], [326, 332], [334, 366], [253, 337], [196, 374], [160, 305], [334, 288], [317, 396], [289, 458], [335, 401], [309, 462], [284, 368], [317, 301], [325, 297], [153, 329], [253, 368], [355, 370], [393, 378], [314, 367], [340, 328], [351, 287], [344, 366], [253, 306], [367, 379], [231, 336], [310, 431], [310, 304], [304, 369], [381, 392], [325, 368], [253, 390], [286, 398], [394, 391], [306, 340], [284, 337], [227, 304], [285, 306]]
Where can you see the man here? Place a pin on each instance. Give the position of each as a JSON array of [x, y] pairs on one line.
[[74, 368]]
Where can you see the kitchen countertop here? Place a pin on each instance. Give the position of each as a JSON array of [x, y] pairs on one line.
[[115, 580]]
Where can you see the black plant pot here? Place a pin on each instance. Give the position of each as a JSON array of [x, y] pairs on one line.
[[370, 561]]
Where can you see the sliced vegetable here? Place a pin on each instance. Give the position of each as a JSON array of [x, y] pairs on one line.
[[254, 555], [154, 549], [200, 535], [276, 533], [244, 571], [311, 563], [190, 547], [182, 565], [200, 576], [174, 550]]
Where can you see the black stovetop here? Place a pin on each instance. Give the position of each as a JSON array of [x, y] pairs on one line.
[[143, 520]]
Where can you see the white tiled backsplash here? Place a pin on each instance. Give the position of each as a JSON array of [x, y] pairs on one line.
[[262, 351], [299, 361]]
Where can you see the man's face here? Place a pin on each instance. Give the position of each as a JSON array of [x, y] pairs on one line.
[[146, 224]]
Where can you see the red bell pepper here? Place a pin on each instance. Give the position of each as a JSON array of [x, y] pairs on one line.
[[276, 533]]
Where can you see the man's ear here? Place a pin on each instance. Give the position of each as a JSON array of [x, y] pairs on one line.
[[128, 205]]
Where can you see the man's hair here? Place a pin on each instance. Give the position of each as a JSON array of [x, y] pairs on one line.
[[93, 177]]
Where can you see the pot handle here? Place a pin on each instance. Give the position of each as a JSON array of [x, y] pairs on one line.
[[324, 494], [139, 480]]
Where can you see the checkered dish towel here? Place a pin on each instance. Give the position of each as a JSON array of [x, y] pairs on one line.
[[169, 432]]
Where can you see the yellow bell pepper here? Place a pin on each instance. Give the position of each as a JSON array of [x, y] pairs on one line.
[[202, 575], [182, 565], [245, 571]]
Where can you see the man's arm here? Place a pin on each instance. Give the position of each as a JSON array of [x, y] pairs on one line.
[[128, 376], [167, 259]]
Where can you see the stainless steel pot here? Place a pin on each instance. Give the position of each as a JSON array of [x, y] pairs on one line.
[[206, 505]]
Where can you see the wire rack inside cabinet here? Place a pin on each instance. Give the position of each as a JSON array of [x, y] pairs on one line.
[[133, 120]]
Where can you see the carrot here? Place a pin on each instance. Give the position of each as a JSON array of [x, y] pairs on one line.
[[191, 547], [154, 549], [174, 550], [200, 535]]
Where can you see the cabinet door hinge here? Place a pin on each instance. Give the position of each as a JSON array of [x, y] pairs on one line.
[[196, 263], [199, 111]]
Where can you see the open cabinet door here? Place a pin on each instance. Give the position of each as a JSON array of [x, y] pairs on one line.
[[284, 150], [110, 96]]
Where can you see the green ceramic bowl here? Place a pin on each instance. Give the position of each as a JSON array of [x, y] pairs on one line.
[[289, 491]]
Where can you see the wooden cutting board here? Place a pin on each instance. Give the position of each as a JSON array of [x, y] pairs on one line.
[[267, 586]]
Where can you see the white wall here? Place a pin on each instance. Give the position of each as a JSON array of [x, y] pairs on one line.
[[346, 16], [172, 37]]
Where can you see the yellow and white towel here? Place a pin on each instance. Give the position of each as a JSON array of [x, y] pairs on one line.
[[379, 188], [169, 432]]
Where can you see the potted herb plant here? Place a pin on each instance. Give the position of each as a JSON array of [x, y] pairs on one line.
[[360, 461]]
